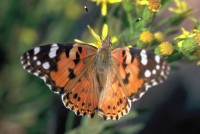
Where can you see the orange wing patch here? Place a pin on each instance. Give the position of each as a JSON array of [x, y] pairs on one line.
[[113, 103], [61, 75], [83, 97], [139, 70], [70, 66], [129, 71]]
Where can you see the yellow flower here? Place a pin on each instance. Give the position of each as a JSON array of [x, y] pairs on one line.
[[182, 8], [98, 38], [146, 37], [188, 35], [166, 48], [104, 5], [197, 35], [153, 5], [185, 34], [159, 36]]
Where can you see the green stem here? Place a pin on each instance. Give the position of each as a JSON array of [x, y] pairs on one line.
[[131, 22]]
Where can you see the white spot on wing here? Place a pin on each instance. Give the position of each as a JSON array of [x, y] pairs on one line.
[[162, 73], [38, 63], [36, 50], [53, 51], [46, 65], [36, 73], [143, 55], [154, 72], [158, 67], [157, 59], [147, 86], [28, 57], [154, 82], [147, 73], [34, 57], [144, 61]]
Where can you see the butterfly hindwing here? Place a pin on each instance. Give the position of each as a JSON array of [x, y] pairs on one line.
[[113, 103], [57, 64], [83, 98], [139, 70]]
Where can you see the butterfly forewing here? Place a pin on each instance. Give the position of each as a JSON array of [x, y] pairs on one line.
[[58, 64], [139, 70]]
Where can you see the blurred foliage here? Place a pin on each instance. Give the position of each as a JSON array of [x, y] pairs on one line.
[[26, 106]]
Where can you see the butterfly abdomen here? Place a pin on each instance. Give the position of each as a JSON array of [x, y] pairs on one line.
[[102, 65]]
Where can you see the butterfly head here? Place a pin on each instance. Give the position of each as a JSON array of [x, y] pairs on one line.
[[106, 43]]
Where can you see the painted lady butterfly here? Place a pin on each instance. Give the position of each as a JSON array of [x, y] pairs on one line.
[[90, 80]]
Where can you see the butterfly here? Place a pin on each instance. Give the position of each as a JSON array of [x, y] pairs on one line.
[[96, 80]]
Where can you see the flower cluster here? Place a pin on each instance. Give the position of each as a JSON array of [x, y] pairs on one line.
[[144, 35], [153, 5]]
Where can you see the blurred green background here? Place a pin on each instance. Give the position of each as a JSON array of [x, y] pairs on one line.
[[28, 106]]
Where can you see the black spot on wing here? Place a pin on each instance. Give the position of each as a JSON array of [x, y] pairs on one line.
[[75, 95], [108, 107], [76, 61], [77, 55], [134, 53], [71, 74], [80, 49], [67, 50], [125, 80], [123, 53]]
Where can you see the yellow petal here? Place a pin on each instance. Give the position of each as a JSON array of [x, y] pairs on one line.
[[114, 1], [180, 44], [104, 31], [79, 41], [104, 9], [95, 44], [114, 39], [181, 7], [91, 44], [142, 2], [129, 46], [184, 34], [96, 36]]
